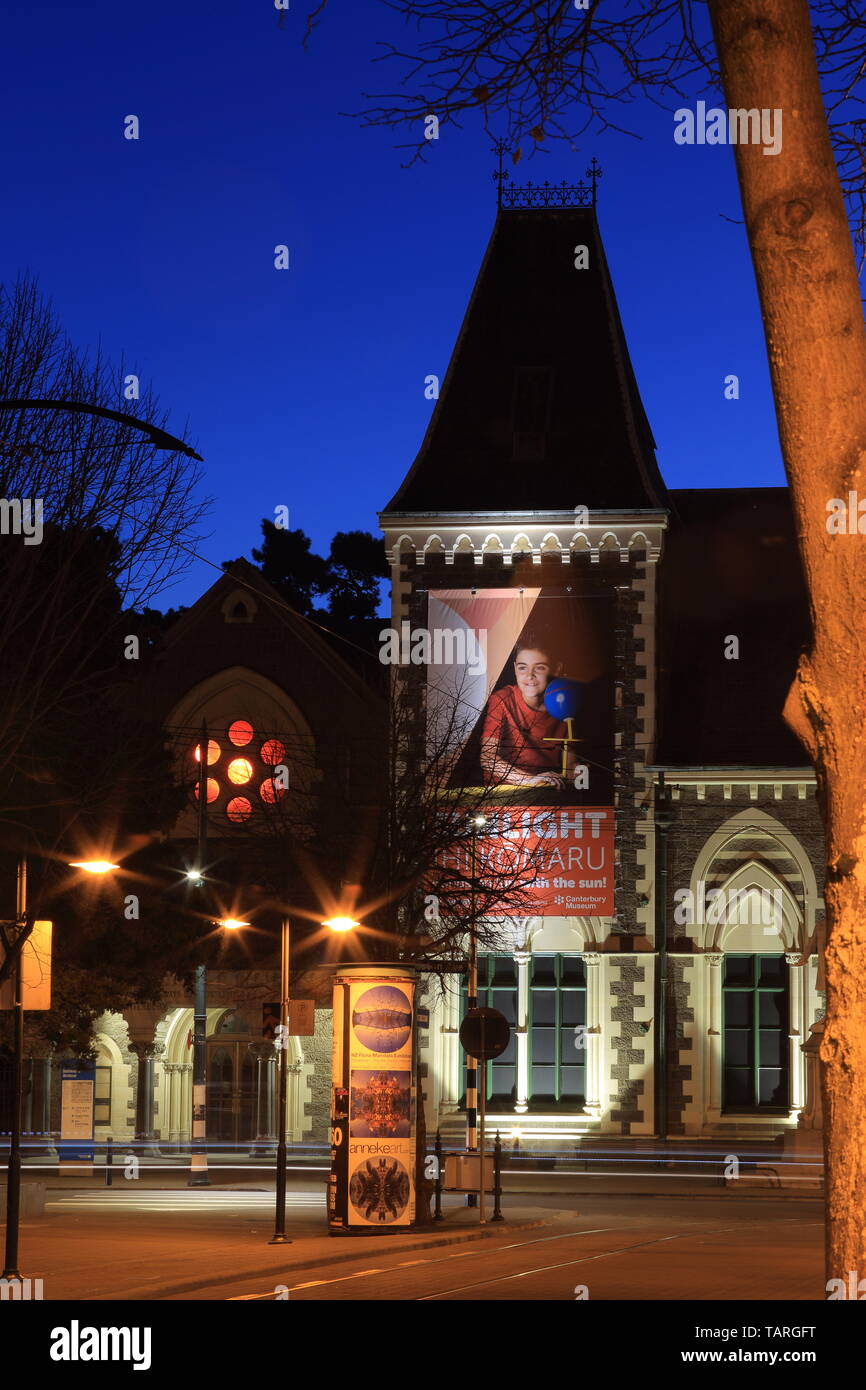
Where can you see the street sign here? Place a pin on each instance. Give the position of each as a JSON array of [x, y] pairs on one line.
[[302, 1020], [77, 1085], [422, 1018], [35, 971], [485, 1033]]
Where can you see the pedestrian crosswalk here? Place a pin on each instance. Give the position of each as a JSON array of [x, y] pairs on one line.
[[187, 1202]]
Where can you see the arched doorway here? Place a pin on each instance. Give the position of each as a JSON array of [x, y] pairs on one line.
[[231, 1081]]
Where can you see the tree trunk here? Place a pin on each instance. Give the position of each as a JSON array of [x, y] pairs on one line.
[[813, 321]]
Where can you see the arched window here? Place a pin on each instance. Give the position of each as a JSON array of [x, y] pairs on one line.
[[233, 1022], [755, 1061], [261, 771]]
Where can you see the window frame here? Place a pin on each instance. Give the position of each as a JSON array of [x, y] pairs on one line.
[[757, 991], [558, 989]]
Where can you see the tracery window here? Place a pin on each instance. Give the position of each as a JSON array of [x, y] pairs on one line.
[[239, 782]]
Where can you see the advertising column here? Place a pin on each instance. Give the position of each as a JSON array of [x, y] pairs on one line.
[[372, 1183]]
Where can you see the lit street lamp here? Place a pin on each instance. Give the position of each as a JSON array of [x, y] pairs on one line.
[[341, 923], [13, 1175], [337, 924], [477, 822]]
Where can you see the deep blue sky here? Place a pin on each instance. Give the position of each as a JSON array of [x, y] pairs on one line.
[[305, 387]]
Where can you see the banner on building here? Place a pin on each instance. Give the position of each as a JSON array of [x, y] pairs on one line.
[[372, 1182], [560, 859], [526, 726]]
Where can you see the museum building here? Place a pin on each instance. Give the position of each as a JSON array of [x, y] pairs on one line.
[[685, 999], [691, 1004]]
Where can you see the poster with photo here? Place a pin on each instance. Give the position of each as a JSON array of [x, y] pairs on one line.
[[381, 1103], [528, 724], [338, 1181], [373, 1100], [381, 1023]]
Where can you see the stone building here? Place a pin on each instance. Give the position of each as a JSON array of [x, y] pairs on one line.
[[688, 1002], [690, 1005], [274, 694]]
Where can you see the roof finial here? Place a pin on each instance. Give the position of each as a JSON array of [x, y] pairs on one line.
[[594, 173], [500, 176]]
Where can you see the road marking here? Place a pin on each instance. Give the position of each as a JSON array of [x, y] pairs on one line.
[[583, 1259], [429, 1260], [311, 1284]]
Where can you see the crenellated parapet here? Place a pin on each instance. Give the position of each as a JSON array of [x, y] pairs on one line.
[[506, 536]]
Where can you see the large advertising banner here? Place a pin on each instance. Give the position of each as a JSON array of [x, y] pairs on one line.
[[561, 856], [372, 1181], [520, 704]]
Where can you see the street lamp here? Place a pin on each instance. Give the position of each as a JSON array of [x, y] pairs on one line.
[[158, 437], [198, 1175], [477, 822], [13, 1174], [337, 924], [341, 923]]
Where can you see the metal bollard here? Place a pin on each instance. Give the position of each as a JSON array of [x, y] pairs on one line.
[[497, 1179], [109, 1160], [437, 1210]]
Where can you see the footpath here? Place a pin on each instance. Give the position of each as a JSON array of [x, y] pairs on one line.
[[155, 1238], [160, 1243]]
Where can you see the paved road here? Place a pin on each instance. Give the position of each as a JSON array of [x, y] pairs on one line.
[[664, 1250]]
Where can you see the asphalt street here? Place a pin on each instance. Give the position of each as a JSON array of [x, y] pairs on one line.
[[665, 1249]]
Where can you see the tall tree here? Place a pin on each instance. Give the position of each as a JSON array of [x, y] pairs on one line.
[[95, 521], [85, 475], [551, 69], [356, 564], [286, 561], [348, 579]]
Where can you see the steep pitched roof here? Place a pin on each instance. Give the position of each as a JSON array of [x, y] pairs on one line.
[[302, 637], [539, 409]]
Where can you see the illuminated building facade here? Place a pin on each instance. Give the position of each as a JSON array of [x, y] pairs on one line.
[[691, 1003]]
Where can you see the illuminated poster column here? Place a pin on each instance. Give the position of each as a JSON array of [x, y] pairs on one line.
[[372, 1182]]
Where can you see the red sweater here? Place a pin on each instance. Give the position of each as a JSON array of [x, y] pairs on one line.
[[519, 732]]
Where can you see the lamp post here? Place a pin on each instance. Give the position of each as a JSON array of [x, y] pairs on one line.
[[476, 822], [158, 437], [13, 1174], [198, 1176], [336, 924], [279, 1237]]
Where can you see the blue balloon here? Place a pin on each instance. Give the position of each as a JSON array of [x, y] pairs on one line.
[[562, 698]]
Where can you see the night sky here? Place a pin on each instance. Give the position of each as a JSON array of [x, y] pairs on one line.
[[306, 387]]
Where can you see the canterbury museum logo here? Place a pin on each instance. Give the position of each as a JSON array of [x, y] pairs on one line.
[[439, 646]]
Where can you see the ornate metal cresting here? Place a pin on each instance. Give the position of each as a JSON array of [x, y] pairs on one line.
[[545, 195]]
